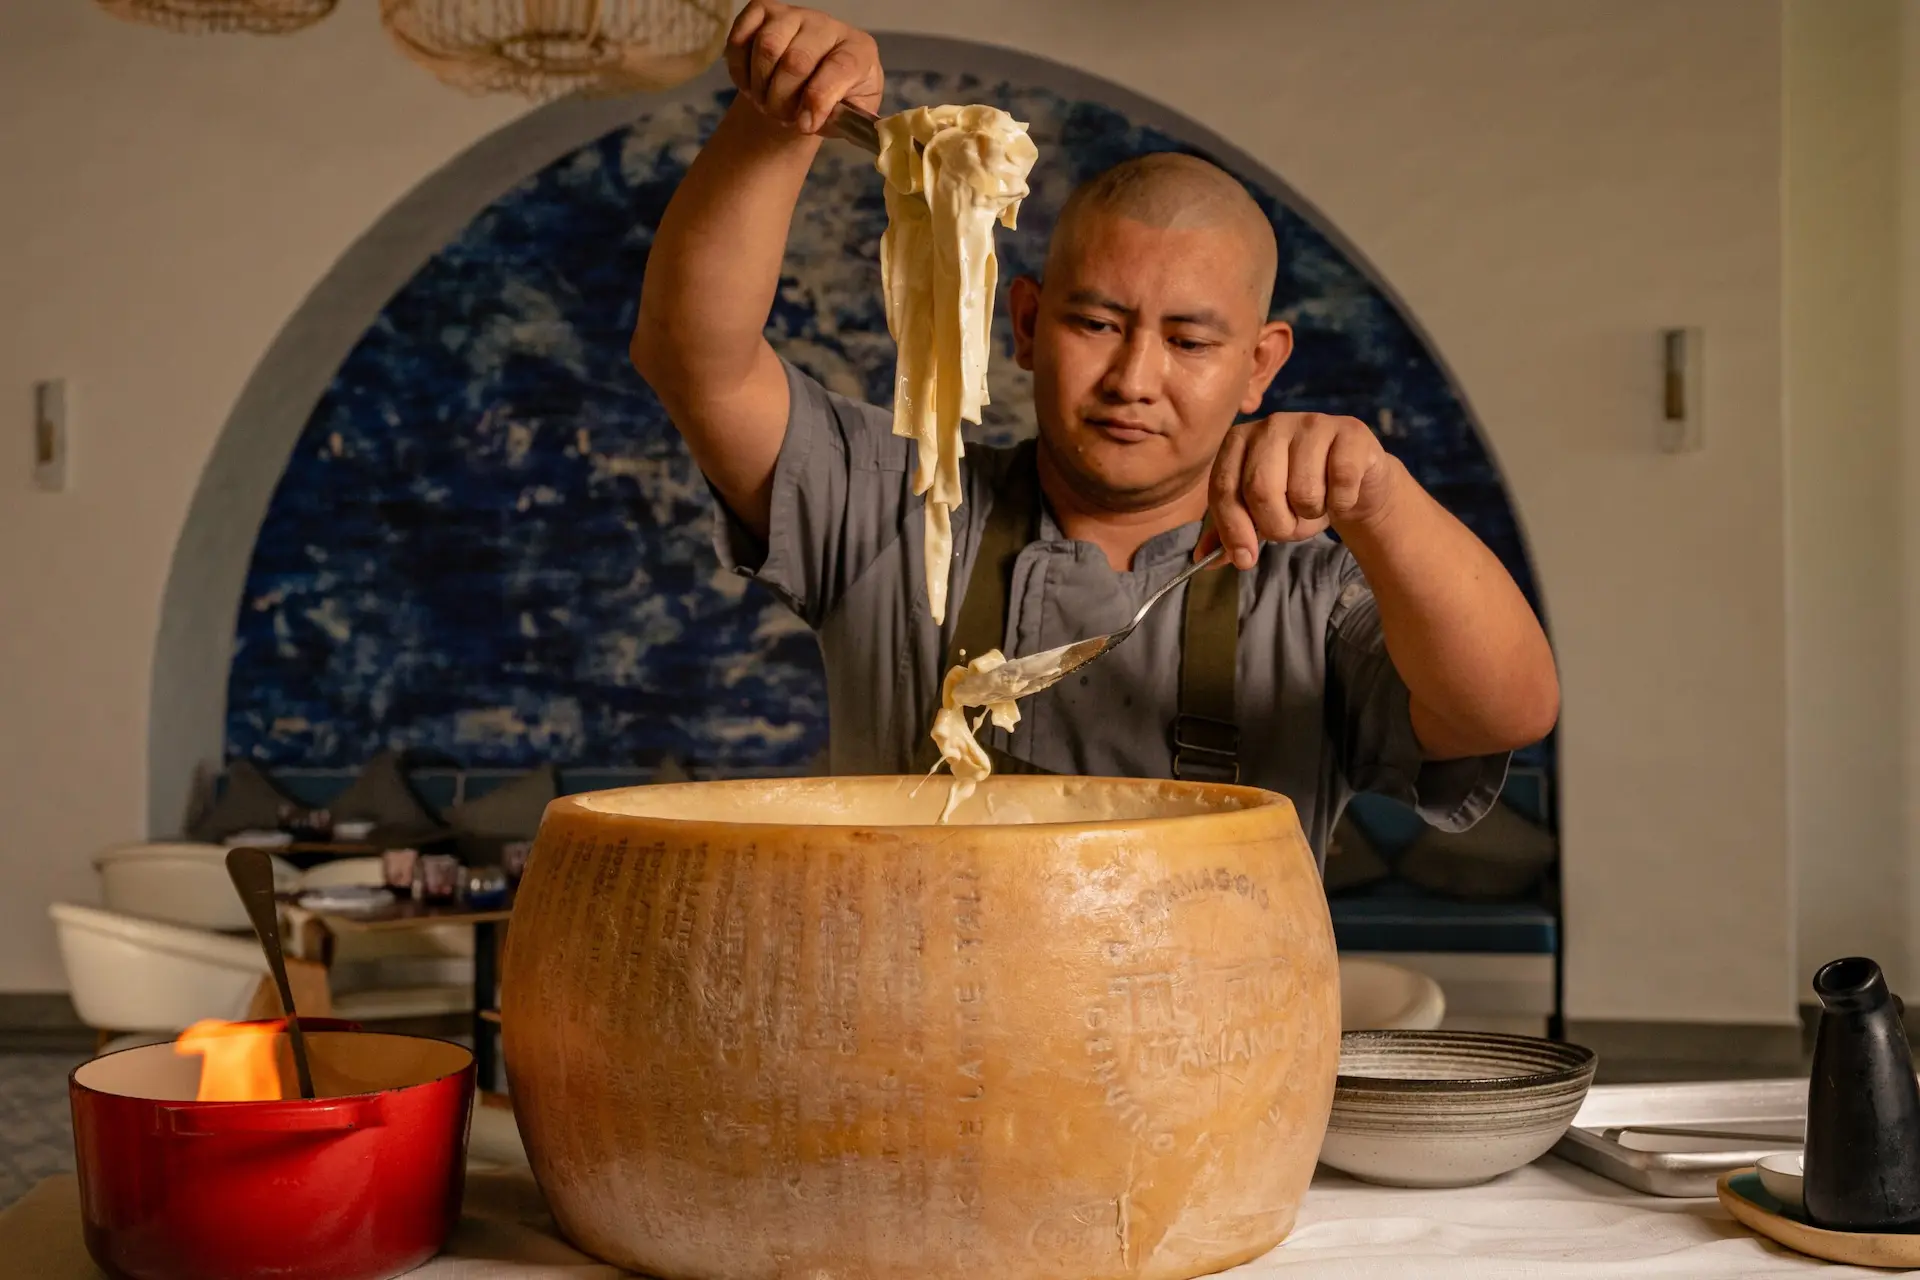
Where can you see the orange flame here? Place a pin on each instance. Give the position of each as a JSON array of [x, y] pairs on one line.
[[238, 1062]]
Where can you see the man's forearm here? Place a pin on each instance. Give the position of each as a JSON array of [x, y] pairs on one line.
[[714, 265], [1459, 631], [712, 271]]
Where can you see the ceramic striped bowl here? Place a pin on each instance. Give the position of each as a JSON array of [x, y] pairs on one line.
[[1450, 1108]]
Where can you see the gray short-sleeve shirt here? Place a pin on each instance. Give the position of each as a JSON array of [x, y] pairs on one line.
[[1322, 711]]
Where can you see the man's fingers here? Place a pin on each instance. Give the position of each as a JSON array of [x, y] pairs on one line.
[[1232, 523], [1209, 539], [845, 65], [1307, 467], [1265, 476], [746, 23], [1347, 464], [795, 68], [740, 45], [770, 44]]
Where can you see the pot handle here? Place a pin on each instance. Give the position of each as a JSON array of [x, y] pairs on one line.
[[209, 1119]]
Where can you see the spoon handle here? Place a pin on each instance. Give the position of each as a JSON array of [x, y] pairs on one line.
[[855, 125], [1185, 573], [252, 874]]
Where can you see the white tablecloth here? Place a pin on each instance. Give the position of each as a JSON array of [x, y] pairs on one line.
[[1549, 1220]]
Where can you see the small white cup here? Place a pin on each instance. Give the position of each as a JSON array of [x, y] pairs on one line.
[[1780, 1175]]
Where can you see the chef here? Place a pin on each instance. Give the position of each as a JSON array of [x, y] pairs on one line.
[[1401, 659]]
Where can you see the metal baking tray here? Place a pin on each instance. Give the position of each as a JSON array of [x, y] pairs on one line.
[[1678, 1139]]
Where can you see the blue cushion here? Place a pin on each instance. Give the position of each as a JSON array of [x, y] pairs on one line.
[[1396, 916]]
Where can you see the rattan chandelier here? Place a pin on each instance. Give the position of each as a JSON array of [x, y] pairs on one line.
[[547, 48], [258, 17]]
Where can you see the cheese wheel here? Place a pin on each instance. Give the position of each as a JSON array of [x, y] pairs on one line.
[[799, 1030]]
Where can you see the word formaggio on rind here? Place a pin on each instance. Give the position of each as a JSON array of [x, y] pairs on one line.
[[938, 271]]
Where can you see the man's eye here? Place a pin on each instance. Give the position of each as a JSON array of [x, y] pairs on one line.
[[1091, 324], [1191, 344]]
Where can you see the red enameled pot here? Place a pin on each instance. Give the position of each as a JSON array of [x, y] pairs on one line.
[[362, 1182]]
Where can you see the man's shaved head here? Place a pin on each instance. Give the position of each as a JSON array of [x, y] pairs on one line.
[[1168, 190], [1148, 332]]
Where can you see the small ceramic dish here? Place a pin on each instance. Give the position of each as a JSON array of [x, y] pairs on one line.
[[1780, 1175], [1450, 1108]]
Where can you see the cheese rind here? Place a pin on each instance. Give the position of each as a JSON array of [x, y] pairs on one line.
[[802, 1029]]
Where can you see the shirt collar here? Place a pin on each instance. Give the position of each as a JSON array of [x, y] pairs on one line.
[[1174, 543]]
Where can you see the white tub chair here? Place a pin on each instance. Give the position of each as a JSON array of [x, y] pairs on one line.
[[179, 882], [1376, 995], [130, 974]]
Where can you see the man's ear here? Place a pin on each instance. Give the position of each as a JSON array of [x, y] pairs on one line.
[[1270, 351], [1023, 308]]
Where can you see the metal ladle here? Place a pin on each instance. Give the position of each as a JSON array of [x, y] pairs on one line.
[[251, 871]]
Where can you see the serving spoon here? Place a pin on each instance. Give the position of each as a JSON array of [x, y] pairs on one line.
[[856, 125], [1021, 677], [252, 876]]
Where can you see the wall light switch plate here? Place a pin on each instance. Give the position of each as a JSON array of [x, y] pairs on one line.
[[1682, 379], [50, 451]]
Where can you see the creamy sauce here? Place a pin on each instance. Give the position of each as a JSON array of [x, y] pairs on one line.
[[939, 271], [959, 751]]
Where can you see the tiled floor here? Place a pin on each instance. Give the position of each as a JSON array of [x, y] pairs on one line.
[[36, 1132]]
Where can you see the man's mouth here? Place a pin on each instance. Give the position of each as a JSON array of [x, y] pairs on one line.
[[1124, 430]]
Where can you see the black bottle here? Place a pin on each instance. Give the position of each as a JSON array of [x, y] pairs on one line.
[[1862, 1159]]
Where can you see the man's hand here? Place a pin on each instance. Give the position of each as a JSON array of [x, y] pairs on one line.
[[797, 64], [1290, 476], [1475, 660]]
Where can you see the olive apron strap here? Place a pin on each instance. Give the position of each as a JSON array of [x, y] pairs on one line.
[[1206, 732], [982, 624], [1011, 521]]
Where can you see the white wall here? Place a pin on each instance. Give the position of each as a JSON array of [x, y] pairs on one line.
[[1907, 265], [1842, 309], [1546, 185], [169, 202]]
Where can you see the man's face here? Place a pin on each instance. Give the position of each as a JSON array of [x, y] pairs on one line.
[[1144, 344]]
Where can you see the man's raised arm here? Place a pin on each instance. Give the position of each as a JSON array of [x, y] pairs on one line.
[[700, 340]]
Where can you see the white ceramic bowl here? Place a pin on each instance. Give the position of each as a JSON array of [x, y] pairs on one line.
[[1450, 1108], [1780, 1175]]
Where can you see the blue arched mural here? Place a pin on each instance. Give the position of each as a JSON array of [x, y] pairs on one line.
[[490, 544]]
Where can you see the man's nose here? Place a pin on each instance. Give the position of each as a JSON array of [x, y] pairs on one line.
[[1133, 376]]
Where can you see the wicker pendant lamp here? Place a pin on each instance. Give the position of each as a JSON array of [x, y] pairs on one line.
[[547, 48], [256, 17]]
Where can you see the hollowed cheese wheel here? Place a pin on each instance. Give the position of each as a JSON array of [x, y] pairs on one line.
[[798, 1029]]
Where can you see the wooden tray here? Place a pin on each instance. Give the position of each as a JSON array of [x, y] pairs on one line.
[[1754, 1207]]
